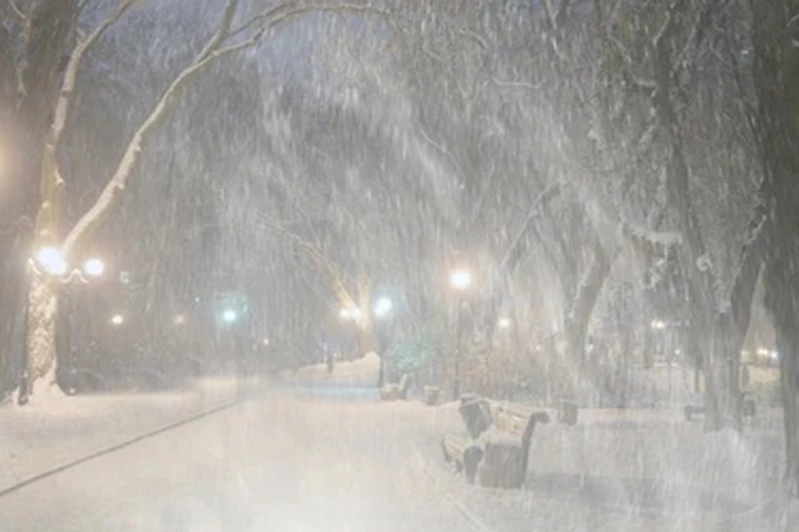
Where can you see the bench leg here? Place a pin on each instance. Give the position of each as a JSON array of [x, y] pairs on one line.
[[471, 459]]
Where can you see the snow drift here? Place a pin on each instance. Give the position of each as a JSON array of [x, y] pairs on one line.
[[360, 372]]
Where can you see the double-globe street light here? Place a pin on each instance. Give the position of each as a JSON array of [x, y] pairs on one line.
[[50, 262]]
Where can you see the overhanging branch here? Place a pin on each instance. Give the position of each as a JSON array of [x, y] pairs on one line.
[[212, 50], [73, 66]]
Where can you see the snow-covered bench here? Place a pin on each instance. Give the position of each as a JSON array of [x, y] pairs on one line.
[[496, 449], [76, 380], [462, 451], [748, 408], [507, 448], [396, 391]]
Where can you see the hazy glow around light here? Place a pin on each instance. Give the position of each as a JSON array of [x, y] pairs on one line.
[[117, 319], [52, 261], [94, 267], [350, 314], [460, 279], [503, 323], [383, 307], [180, 319], [229, 316]]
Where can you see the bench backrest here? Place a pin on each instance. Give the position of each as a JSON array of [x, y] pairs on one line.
[[404, 382]]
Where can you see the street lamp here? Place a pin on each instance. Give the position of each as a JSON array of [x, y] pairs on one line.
[[503, 323], [460, 279], [229, 316], [382, 311], [350, 313], [383, 307], [180, 319], [94, 267], [117, 320], [51, 260]]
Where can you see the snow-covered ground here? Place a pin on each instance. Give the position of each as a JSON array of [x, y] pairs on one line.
[[51, 432], [287, 462], [636, 470]]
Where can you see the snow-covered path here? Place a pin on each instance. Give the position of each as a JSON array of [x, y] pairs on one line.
[[316, 462], [272, 464]]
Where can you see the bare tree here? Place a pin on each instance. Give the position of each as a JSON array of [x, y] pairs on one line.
[[668, 65], [774, 38], [233, 33]]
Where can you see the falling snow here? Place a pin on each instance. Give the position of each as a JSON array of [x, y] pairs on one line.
[[279, 206]]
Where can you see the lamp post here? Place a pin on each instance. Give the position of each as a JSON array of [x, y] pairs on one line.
[[382, 312], [460, 280], [663, 348]]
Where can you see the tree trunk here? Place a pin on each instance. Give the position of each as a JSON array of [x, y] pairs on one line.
[[579, 315], [25, 115], [573, 362], [776, 72], [41, 361], [722, 390], [788, 346]]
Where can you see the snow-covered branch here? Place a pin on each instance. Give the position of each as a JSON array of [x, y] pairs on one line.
[[22, 17], [214, 49], [73, 66], [259, 18], [514, 252], [313, 251], [290, 14], [221, 33], [669, 24]]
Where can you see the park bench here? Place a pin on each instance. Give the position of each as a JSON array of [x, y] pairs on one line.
[[150, 380], [396, 391], [748, 408], [461, 451], [79, 381], [495, 451]]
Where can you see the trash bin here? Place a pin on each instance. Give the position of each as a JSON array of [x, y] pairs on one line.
[[431, 395], [476, 413], [748, 405], [567, 412]]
